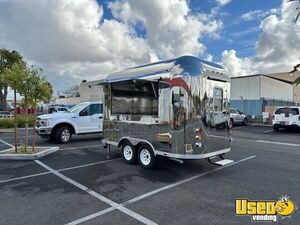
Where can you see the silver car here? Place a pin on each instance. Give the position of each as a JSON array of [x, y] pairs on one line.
[[237, 117]]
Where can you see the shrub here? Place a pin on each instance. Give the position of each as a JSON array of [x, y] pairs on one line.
[[6, 123], [21, 120]]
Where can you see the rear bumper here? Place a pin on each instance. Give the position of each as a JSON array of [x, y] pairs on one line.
[[286, 126]]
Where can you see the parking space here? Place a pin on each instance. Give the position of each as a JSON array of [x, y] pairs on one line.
[[80, 185], [44, 200], [266, 133]]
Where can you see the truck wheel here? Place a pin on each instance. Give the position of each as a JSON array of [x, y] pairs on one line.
[[245, 122], [63, 135], [146, 157], [276, 128], [129, 153]]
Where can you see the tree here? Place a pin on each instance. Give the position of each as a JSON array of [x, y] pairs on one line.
[[296, 69], [7, 59], [41, 90], [24, 90], [298, 15], [15, 77], [297, 81], [72, 92]]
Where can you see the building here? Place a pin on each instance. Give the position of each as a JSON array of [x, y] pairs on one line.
[[290, 77], [255, 94], [67, 101], [91, 91]]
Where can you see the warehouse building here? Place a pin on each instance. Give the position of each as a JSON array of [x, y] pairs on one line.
[[258, 95], [91, 91]]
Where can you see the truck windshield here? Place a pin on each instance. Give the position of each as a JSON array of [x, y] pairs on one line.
[[78, 107]]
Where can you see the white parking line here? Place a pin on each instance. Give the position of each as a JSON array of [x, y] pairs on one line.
[[268, 131], [24, 177], [238, 140], [185, 181], [64, 169], [121, 208], [89, 164], [100, 213], [6, 143], [277, 143], [92, 216]]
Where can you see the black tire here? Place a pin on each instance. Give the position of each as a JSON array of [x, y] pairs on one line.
[[245, 122], [63, 135], [146, 157], [276, 128], [129, 153]]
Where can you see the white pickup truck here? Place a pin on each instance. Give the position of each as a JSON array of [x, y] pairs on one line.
[[84, 118], [286, 117]]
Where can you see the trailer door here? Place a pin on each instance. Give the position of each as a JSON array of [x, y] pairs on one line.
[[219, 122]]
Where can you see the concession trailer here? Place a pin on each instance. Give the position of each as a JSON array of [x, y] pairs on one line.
[[176, 108]]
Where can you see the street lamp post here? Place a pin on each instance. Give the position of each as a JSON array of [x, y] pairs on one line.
[[242, 98]]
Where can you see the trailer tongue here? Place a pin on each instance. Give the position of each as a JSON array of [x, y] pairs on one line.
[[176, 108]]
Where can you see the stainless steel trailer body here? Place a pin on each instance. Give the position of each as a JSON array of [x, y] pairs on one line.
[[175, 108]]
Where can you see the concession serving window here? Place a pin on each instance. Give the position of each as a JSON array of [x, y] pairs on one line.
[[135, 97]]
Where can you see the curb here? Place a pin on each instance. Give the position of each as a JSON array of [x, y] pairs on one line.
[[6, 130], [29, 156], [11, 130]]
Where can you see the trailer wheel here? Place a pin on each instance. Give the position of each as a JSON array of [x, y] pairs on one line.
[[146, 157], [275, 127], [129, 153]]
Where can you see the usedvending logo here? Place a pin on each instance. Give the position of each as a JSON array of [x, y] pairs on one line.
[[267, 211]]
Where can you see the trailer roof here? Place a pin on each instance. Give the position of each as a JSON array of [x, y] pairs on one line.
[[184, 66]]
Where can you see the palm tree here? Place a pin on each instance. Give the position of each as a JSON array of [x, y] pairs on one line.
[[298, 15]]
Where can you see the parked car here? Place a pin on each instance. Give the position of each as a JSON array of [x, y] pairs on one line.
[[216, 120], [238, 117], [83, 118], [286, 117], [56, 109], [6, 114]]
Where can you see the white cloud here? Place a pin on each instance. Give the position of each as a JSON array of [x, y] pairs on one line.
[[223, 2], [277, 48], [72, 41], [235, 65], [170, 28], [69, 38], [258, 14]]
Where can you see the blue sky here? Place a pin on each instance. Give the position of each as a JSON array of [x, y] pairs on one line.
[[237, 33], [234, 34]]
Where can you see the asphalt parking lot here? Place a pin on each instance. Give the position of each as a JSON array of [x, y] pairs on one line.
[[80, 185]]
